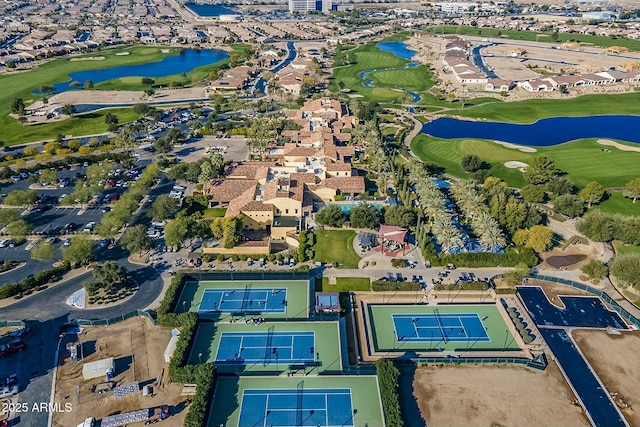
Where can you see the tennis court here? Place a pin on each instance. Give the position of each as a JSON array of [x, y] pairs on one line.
[[439, 327], [266, 347], [226, 299], [264, 401], [244, 300], [296, 407], [270, 346], [453, 327]]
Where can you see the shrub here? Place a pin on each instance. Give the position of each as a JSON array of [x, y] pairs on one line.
[[380, 285], [220, 257], [166, 315], [399, 263], [388, 379], [526, 256], [30, 283]]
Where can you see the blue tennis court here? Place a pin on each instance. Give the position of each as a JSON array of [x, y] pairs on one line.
[[240, 348], [244, 300], [296, 407], [440, 327]]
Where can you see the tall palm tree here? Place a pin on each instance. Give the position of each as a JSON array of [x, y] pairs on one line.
[[489, 230], [447, 234]]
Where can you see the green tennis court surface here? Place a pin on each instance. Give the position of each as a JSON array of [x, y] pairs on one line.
[[327, 401], [311, 347], [223, 300], [468, 327]]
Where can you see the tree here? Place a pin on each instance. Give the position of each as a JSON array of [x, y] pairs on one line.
[[569, 205], [364, 216], [471, 162], [18, 106], [632, 189], [148, 81], [176, 231], [79, 250], [540, 170], [88, 84], [135, 239], [626, 268], [561, 185], [19, 229], [43, 251], [231, 231], [7, 216], [533, 193], [48, 176], [108, 275], [31, 150], [331, 215], [597, 226], [595, 269], [22, 198], [592, 193], [539, 238], [162, 208], [112, 121], [175, 136], [163, 145], [400, 216], [68, 109]]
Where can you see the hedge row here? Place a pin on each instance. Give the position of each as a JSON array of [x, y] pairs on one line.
[[28, 284], [474, 286], [166, 316], [388, 379], [205, 384], [380, 285], [526, 256]]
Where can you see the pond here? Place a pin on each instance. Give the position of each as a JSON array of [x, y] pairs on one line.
[[210, 9], [186, 61], [399, 49], [544, 132]]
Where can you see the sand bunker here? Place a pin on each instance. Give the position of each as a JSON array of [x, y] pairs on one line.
[[516, 165], [122, 53], [617, 145], [89, 58], [517, 147]]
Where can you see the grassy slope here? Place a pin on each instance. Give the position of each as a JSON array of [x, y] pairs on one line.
[[336, 246], [582, 160], [537, 36], [617, 203], [23, 84]]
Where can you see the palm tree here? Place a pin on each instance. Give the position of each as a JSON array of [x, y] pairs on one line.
[[489, 230], [447, 234]]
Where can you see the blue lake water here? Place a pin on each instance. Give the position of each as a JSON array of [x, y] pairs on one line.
[[544, 132], [188, 60], [210, 9], [399, 49]]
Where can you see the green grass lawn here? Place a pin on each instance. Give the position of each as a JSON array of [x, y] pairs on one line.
[[22, 85], [367, 57], [617, 203], [538, 36], [336, 246], [346, 284], [622, 249], [581, 160], [214, 212], [533, 109]]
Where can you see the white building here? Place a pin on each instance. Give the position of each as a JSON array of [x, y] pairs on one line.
[[303, 6]]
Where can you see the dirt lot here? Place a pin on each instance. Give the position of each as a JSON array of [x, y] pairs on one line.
[[495, 396], [148, 343], [614, 359]]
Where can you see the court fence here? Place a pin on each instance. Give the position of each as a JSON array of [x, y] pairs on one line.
[[115, 319], [621, 311], [228, 276], [539, 362], [12, 323]]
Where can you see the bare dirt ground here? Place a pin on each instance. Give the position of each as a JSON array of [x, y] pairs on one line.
[[614, 359], [148, 343], [495, 396]]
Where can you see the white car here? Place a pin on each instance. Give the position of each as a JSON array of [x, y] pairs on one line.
[[90, 226], [5, 243]]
